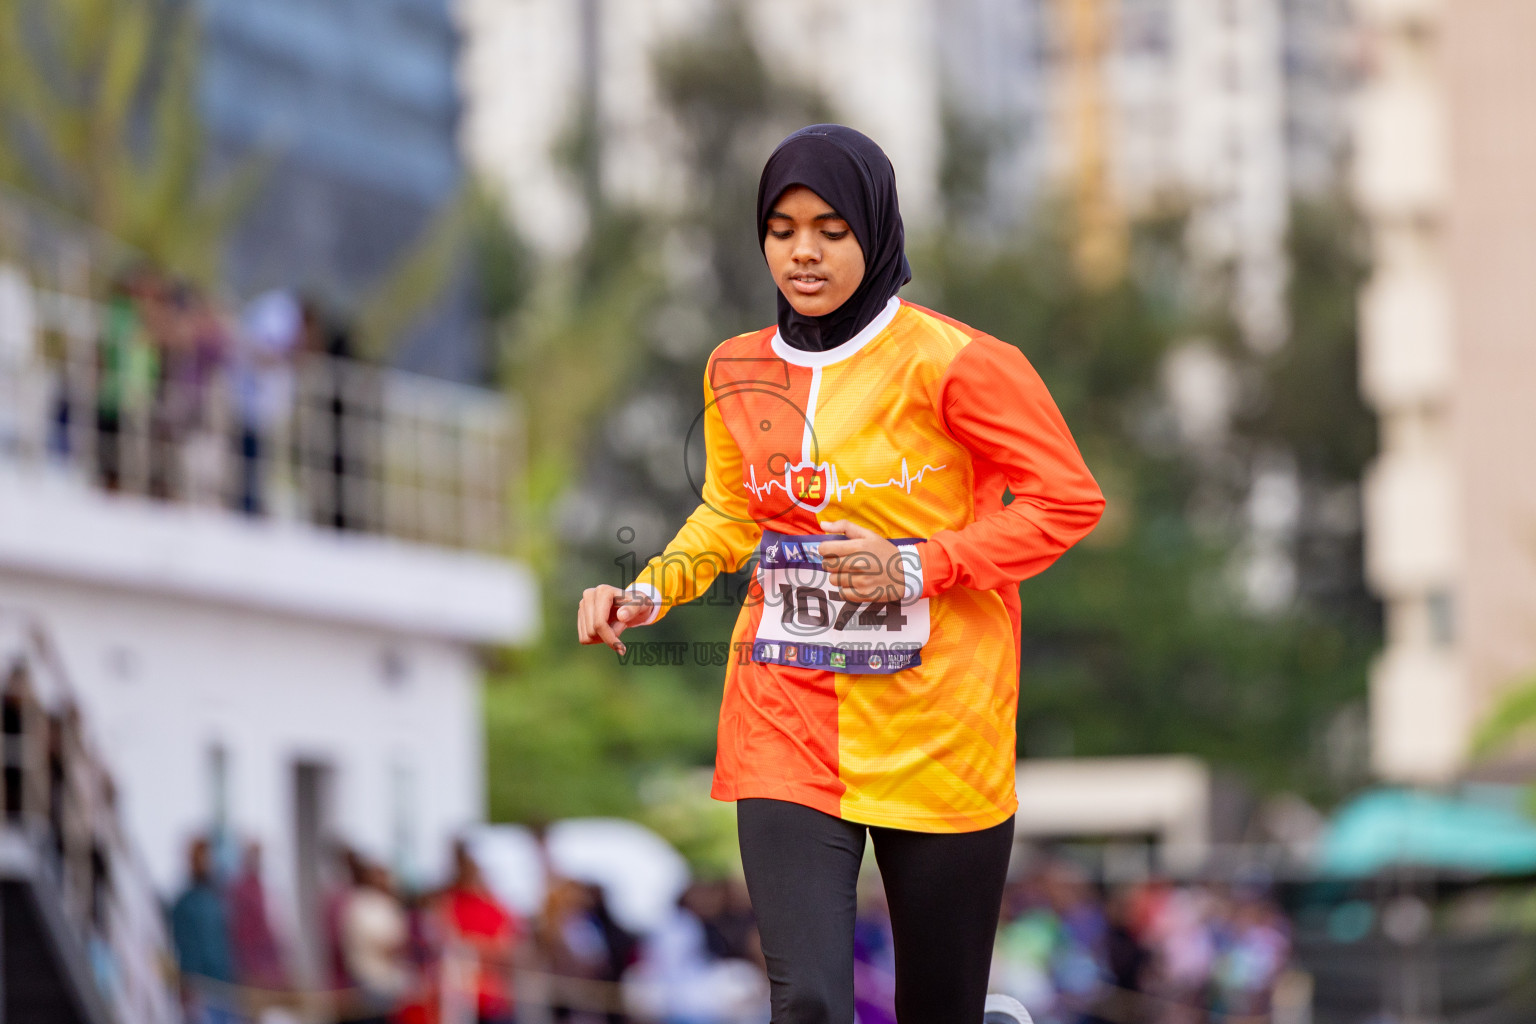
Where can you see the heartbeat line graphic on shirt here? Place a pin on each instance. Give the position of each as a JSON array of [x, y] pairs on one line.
[[906, 481]]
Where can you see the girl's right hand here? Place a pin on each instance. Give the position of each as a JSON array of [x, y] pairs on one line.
[[606, 611]]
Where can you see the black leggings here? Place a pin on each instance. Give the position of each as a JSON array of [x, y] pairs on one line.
[[944, 891]]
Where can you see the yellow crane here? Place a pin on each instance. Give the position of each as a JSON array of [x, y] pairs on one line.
[[1101, 241]]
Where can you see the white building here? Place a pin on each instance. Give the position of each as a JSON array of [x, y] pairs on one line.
[[1445, 160], [1192, 104], [269, 678]]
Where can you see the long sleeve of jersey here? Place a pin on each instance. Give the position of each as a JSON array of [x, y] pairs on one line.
[[993, 402], [719, 535]]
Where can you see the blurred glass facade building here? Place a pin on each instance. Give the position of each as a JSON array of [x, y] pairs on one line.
[[355, 102]]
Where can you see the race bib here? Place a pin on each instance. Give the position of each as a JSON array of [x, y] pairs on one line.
[[805, 621]]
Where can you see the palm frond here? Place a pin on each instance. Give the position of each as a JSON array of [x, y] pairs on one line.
[[409, 288], [1514, 714]]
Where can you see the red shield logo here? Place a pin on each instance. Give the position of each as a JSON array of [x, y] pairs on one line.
[[810, 484]]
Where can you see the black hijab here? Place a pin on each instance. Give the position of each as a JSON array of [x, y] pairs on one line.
[[854, 176]]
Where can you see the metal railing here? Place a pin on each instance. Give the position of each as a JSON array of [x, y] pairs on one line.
[[60, 804]]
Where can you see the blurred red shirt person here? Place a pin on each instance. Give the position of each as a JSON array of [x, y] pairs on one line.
[[478, 924]]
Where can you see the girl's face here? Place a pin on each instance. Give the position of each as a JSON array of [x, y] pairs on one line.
[[815, 260]]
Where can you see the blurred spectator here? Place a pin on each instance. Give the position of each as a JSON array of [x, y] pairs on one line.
[[346, 876], [199, 925], [258, 958], [200, 934], [1027, 944], [1180, 936], [263, 377], [1129, 963], [576, 948], [729, 924], [343, 400], [623, 947], [193, 347], [1079, 967], [23, 401], [126, 377], [677, 981], [706, 899], [1253, 948], [478, 925], [375, 937]]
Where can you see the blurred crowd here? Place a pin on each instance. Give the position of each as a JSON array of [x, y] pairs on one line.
[[457, 954], [384, 957], [1148, 953], [179, 395], [1069, 949]]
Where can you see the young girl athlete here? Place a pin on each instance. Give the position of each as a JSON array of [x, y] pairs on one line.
[[858, 453]]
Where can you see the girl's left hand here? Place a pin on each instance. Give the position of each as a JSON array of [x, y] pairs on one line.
[[865, 567]]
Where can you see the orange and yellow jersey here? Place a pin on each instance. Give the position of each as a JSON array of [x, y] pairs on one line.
[[914, 428]]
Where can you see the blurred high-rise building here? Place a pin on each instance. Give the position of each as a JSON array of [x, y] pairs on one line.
[[1221, 107], [355, 107], [530, 67], [1446, 154]]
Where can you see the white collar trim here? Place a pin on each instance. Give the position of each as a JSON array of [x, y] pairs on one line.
[[800, 357]]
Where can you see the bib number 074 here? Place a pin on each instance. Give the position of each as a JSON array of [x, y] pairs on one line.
[[812, 608]]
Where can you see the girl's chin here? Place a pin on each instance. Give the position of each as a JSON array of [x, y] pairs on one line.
[[807, 305]]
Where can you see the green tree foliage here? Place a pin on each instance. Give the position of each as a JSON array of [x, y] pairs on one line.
[[98, 118], [627, 321], [1507, 729], [1137, 642], [1304, 400], [568, 733], [1510, 720]]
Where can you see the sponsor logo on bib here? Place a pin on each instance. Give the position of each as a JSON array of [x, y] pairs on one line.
[[806, 622]]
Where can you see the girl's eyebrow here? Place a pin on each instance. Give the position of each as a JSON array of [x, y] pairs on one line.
[[829, 215]]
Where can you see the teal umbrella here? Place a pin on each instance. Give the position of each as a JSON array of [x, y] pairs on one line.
[[1391, 827]]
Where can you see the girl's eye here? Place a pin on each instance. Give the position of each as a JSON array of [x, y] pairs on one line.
[[781, 234], [835, 235]]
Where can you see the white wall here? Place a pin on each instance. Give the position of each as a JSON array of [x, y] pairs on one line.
[[53, 525], [163, 680], [183, 629]]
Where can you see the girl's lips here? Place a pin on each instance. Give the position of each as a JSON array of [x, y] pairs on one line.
[[808, 285]]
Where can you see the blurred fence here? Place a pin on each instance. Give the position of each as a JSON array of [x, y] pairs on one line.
[[297, 436]]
